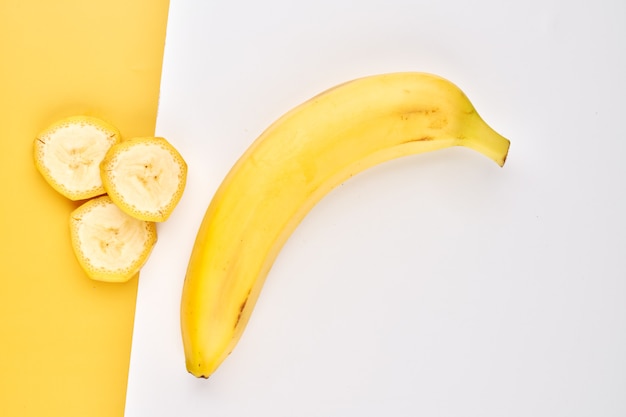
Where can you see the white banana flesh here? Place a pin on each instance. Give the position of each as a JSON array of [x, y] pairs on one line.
[[109, 244], [69, 153], [83, 158], [288, 169], [145, 177]]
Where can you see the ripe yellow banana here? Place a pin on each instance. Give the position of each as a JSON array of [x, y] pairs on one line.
[[288, 169]]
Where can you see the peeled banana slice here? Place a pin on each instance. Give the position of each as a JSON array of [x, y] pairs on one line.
[[68, 155], [109, 244], [145, 177]]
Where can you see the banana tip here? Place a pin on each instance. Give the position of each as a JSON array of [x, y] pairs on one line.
[[502, 160]]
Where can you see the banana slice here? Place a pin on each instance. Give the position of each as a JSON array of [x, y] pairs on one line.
[[145, 177], [68, 155], [109, 244]]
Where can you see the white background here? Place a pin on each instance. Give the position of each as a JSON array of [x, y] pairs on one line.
[[433, 285]]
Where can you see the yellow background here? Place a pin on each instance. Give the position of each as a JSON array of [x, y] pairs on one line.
[[64, 339]]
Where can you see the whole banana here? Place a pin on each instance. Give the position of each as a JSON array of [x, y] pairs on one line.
[[288, 169]]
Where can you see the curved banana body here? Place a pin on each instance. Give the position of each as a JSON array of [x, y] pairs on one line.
[[288, 169]]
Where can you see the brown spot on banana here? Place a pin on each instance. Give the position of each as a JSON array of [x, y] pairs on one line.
[[427, 111], [439, 123], [420, 139], [241, 307]]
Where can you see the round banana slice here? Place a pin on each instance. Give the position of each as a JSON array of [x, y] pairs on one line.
[[145, 177], [109, 244], [68, 155]]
